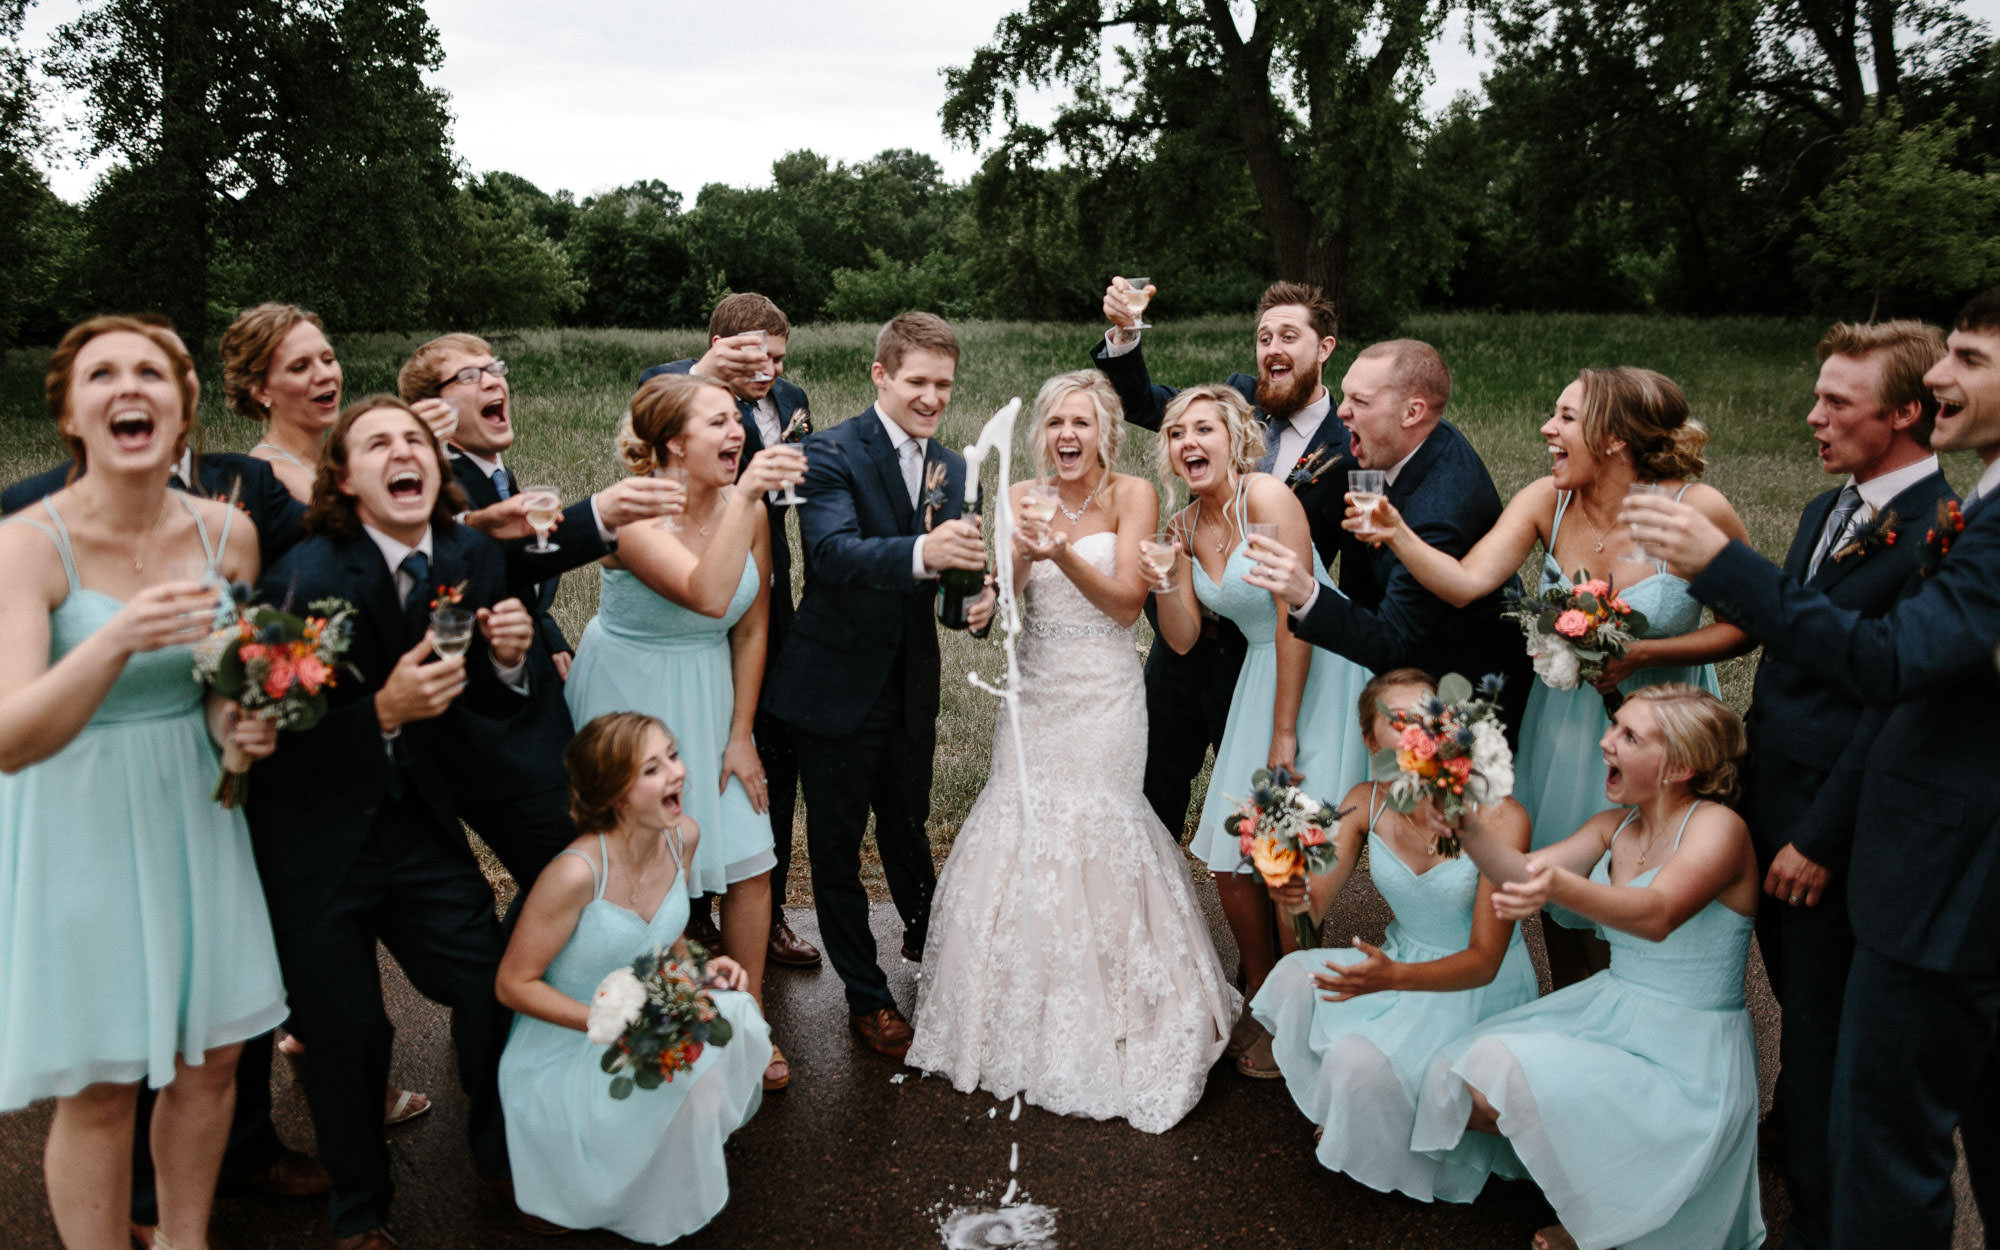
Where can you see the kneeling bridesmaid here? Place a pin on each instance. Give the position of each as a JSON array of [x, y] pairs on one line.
[[1353, 1030], [1631, 1096], [648, 1167]]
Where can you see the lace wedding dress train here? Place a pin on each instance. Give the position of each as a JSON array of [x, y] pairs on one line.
[[1068, 960]]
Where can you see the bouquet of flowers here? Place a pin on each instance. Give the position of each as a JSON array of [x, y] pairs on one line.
[[656, 1018], [273, 664], [1571, 633], [1451, 751], [1284, 831]]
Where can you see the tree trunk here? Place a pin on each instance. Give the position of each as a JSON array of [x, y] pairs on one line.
[[1882, 42], [184, 168]]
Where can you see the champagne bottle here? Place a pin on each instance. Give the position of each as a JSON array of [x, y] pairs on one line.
[[959, 589]]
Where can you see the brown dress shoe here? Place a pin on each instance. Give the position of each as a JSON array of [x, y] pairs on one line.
[[293, 1174], [701, 927], [373, 1239], [788, 949], [884, 1029]]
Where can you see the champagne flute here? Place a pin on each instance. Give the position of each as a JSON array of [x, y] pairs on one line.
[[1365, 488], [678, 474], [1252, 529], [758, 348], [1160, 552], [795, 433], [544, 505], [1638, 553], [451, 630], [1136, 299], [201, 569]]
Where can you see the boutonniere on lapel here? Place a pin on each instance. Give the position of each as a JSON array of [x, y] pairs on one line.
[[1311, 468], [797, 428], [1938, 539], [933, 496], [1881, 532], [448, 597]]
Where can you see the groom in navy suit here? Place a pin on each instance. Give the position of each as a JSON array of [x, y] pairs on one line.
[[1187, 695], [858, 678], [1393, 399], [1858, 544], [1919, 1023], [765, 408]]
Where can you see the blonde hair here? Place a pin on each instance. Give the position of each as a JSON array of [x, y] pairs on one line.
[[1246, 437], [1103, 401], [1701, 734], [247, 347], [1908, 350], [1648, 413], [658, 414]]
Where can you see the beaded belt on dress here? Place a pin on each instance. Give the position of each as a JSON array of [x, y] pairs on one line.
[[1073, 629]]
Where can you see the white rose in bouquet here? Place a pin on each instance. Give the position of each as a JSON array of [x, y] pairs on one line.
[[1492, 764], [619, 999], [1555, 663]]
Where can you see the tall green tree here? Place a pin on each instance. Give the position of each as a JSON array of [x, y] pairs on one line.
[[35, 227], [297, 137], [1318, 104]]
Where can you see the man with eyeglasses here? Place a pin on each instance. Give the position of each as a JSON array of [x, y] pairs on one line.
[[507, 776]]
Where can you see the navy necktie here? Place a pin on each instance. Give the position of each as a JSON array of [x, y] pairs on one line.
[[500, 483], [418, 566], [1844, 508]]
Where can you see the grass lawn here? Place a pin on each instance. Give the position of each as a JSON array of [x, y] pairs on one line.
[[1750, 381]]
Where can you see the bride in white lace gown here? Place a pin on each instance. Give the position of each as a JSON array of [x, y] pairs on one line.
[[1068, 960]]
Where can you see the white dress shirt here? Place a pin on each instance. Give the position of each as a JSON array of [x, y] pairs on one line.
[[898, 436], [393, 550]]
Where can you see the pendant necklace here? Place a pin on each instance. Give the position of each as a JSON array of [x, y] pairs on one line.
[[1081, 508]]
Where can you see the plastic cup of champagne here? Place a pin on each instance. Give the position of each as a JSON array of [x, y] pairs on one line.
[[758, 348], [1136, 299], [1638, 553], [1160, 552], [678, 475], [544, 505], [1038, 507], [1365, 488], [1254, 529], [451, 631]]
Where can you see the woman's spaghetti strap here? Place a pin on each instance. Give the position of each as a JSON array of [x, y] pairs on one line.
[[1376, 804], [597, 875], [213, 551], [59, 535], [286, 454], [1631, 814], [1684, 824]]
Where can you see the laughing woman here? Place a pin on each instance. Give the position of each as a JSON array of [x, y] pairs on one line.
[[1611, 428], [679, 634], [649, 1167], [1630, 1097], [1291, 704], [279, 370], [132, 924]]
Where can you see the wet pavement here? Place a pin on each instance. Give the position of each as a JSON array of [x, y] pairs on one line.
[[863, 1152]]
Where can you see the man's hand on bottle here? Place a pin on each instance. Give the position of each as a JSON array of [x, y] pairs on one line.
[[954, 544]]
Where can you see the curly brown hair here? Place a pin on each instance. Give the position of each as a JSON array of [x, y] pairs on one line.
[[658, 415], [1648, 413], [247, 347]]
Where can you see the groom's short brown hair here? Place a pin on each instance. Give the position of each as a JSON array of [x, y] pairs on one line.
[[912, 332]]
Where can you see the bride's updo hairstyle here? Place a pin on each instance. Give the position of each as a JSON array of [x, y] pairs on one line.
[[1246, 438], [1110, 418], [603, 762], [659, 413], [1700, 733], [1649, 414]]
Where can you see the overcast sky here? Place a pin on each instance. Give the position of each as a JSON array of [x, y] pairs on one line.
[[587, 96]]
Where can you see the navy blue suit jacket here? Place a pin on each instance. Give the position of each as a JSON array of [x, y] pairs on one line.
[[861, 608], [1925, 864], [1800, 721], [1388, 620], [1145, 404], [313, 801], [279, 518], [790, 399]]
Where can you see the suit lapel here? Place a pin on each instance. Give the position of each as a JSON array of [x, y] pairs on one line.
[[375, 597], [477, 486], [889, 470], [753, 436]]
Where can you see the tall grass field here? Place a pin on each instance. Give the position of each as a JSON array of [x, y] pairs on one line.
[[1749, 381]]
